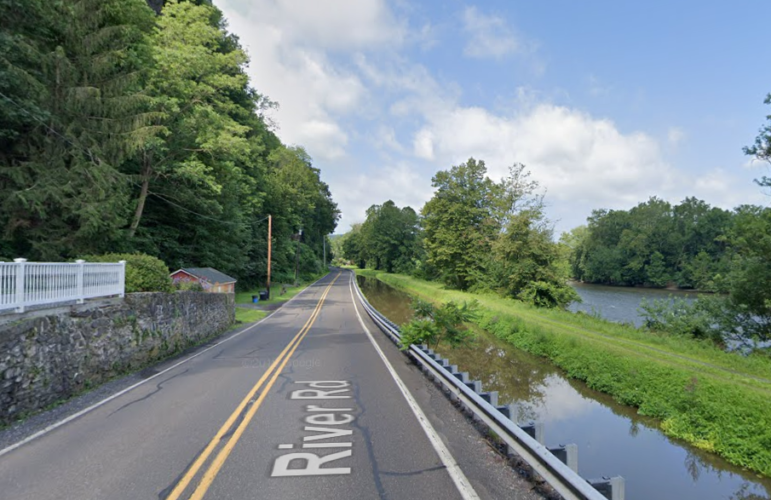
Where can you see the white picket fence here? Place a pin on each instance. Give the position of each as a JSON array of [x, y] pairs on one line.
[[25, 284]]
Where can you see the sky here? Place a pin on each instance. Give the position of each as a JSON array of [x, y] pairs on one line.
[[607, 103]]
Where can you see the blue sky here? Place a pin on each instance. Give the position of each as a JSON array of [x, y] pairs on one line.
[[607, 103]]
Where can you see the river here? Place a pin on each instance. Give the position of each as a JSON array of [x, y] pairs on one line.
[[612, 439], [618, 303]]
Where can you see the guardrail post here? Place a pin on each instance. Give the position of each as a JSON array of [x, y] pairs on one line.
[[507, 411], [568, 455], [491, 397], [475, 385], [611, 488], [80, 276], [462, 376], [534, 429], [20, 274], [122, 278]]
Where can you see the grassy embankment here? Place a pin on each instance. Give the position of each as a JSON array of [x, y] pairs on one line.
[[245, 315], [717, 401]]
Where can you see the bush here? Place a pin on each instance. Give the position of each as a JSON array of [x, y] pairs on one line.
[[144, 273], [188, 286], [433, 325], [545, 294]]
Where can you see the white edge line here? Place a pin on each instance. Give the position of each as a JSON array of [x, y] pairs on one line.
[[118, 394], [461, 482]]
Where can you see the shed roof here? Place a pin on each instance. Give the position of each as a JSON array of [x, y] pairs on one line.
[[209, 274]]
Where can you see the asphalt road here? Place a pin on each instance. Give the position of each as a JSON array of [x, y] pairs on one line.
[[306, 404]]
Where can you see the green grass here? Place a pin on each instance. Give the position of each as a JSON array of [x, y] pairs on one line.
[[718, 401], [249, 315], [275, 292]]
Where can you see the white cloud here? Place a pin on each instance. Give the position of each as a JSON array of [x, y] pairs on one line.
[[385, 139], [288, 42], [489, 36], [331, 24], [342, 79], [424, 144], [403, 183], [675, 135], [576, 156]]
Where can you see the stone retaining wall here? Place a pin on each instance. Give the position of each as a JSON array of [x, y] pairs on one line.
[[47, 358]]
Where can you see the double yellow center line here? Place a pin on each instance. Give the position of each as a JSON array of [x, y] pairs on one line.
[[273, 371]]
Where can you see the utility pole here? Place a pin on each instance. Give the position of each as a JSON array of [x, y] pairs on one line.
[[297, 256], [325, 252], [270, 241]]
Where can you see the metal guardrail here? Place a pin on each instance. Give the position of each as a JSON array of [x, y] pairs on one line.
[[554, 471]]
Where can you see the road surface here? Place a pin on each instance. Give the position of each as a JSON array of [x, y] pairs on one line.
[[312, 402]]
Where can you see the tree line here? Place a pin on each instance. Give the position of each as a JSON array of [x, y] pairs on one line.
[[480, 235], [122, 130], [473, 234]]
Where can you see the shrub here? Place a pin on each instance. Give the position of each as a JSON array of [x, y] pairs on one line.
[[433, 325], [144, 273], [188, 286]]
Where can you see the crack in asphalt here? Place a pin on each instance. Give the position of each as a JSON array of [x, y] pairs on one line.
[[158, 388], [368, 442], [415, 473], [167, 490]]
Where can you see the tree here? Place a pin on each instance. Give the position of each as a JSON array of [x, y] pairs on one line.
[[761, 149], [460, 222], [124, 131], [389, 238], [653, 243], [190, 85], [527, 263], [84, 113]]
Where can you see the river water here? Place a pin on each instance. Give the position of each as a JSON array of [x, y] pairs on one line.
[[618, 303], [612, 439]]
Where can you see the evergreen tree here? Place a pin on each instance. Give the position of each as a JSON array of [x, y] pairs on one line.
[[62, 192]]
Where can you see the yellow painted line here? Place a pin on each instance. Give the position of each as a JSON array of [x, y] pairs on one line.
[[204, 455], [219, 461]]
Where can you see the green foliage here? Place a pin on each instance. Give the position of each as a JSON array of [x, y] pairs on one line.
[[389, 239], [477, 235], [123, 131], [548, 294], [188, 286], [74, 75], [460, 223], [652, 244], [526, 263], [761, 149], [432, 326], [678, 316], [144, 273], [694, 246], [712, 399]]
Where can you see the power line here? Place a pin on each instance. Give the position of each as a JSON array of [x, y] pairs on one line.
[[199, 214]]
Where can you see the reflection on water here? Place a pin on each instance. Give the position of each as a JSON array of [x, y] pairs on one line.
[[620, 304], [612, 439]]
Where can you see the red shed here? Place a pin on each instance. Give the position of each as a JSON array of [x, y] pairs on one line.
[[210, 279]]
